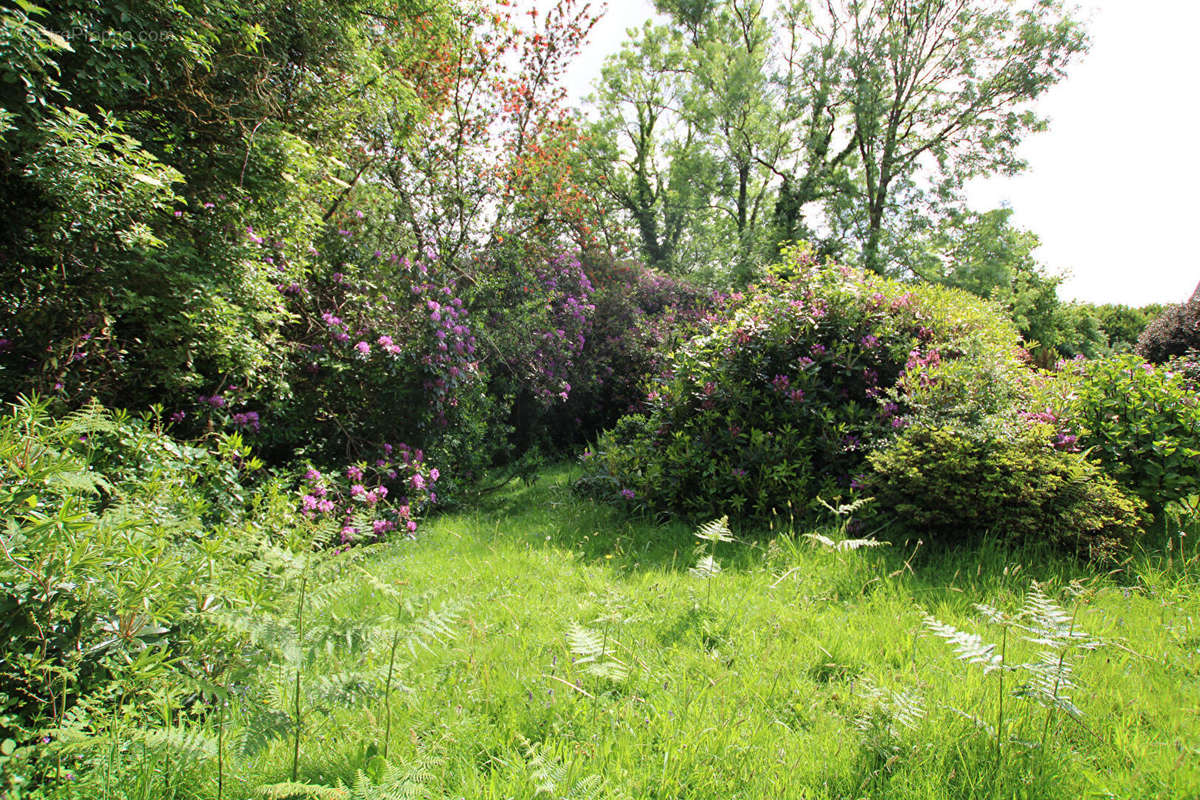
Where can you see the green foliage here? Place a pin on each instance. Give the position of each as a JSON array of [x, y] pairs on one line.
[[1141, 422], [963, 484], [118, 544], [1123, 325], [856, 124], [781, 401]]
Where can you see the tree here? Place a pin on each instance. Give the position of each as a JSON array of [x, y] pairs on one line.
[[496, 160], [985, 254], [856, 124], [940, 92], [644, 152], [132, 129]]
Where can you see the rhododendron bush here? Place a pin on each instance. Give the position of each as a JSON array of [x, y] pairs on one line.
[[782, 400]]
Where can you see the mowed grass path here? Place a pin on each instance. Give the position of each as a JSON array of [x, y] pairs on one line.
[[797, 672]]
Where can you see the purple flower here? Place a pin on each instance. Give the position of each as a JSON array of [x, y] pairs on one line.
[[178, 416], [417, 481], [357, 490], [412, 526], [309, 502], [247, 420], [434, 474], [363, 348], [312, 475], [354, 473], [628, 494], [869, 341], [325, 505]]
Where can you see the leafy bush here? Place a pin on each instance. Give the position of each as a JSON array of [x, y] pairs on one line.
[[781, 401], [117, 542], [638, 316], [1140, 422], [1174, 333], [961, 484]]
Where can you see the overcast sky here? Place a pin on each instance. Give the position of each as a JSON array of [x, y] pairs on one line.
[[1113, 187]]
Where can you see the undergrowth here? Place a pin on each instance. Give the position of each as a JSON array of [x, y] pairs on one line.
[[544, 646]]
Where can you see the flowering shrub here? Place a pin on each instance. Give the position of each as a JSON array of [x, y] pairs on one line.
[[956, 484], [782, 400], [367, 501], [638, 317]]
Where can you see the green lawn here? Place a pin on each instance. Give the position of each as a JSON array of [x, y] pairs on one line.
[[798, 671]]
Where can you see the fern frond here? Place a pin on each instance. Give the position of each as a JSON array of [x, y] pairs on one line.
[[301, 791], [715, 531], [1049, 679], [968, 647], [706, 567], [260, 727], [403, 781], [889, 710], [846, 509], [386, 589], [1050, 625], [435, 626], [595, 654], [843, 545], [550, 777]]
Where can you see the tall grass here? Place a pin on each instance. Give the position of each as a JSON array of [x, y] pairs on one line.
[[585, 656]]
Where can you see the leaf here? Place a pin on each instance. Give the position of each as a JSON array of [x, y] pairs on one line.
[[56, 40], [968, 647], [148, 179], [594, 652], [706, 567], [715, 531], [843, 545]]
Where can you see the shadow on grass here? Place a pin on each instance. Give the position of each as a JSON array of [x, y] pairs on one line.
[[549, 513]]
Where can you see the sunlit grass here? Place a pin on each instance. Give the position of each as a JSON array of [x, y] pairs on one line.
[[776, 677]]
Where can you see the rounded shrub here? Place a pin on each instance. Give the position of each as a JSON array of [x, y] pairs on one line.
[[1174, 333], [781, 401], [1006, 481]]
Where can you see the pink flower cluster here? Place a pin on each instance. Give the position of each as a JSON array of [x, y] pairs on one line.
[[360, 495]]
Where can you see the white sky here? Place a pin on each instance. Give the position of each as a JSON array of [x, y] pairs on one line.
[[1113, 187]]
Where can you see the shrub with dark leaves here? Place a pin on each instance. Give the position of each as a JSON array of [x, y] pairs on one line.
[[1174, 333]]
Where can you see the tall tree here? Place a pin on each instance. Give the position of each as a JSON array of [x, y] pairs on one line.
[[940, 92], [856, 123]]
